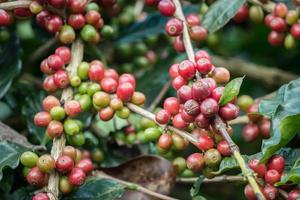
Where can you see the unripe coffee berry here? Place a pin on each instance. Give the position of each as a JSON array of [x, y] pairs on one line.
[[212, 157], [76, 177], [49, 102], [165, 141], [106, 114], [179, 143], [152, 134], [46, 163], [70, 152], [244, 102], [123, 113], [138, 98], [221, 75], [272, 176], [42, 119], [166, 7], [57, 113], [29, 159], [280, 10], [101, 99], [205, 143], [116, 104], [174, 27], [72, 108], [64, 185], [195, 162]]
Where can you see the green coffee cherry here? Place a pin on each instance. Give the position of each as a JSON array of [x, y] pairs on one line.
[[101, 99], [187, 173], [152, 134], [256, 14], [78, 139], [85, 102], [212, 158], [67, 34], [152, 40], [107, 31], [97, 156], [289, 42], [123, 113], [92, 6], [179, 164], [88, 33], [93, 88], [64, 185], [130, 139], [147, 123], [77, 97], [244, 102], [124, 50], [141, 137], [25, 171], [83, 88], [83, 70], [208, 172], [120, 137], [75, 81], [4, 36], [57, 113], [140, 49], [29, 159], [141, 62], [71, 127]]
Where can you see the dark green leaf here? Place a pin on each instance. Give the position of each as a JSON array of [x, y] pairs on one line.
[[23, 193], [9, 155], [196, 187], [106, 127], [284, 111], [199, 198], [219, 13], [293, 176], [231, 90], [97, 189]]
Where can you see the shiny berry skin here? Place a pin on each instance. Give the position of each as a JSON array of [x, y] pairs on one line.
[[77, 21], [162, 116], [192, 107], [64, 186], [272, 176], [72, 108], [203, 65], [109, 85], [268, 19], [209, 107], [229, 112], [217, 93], [223, 148], [270, 192], [275, 38], [29, 159], [281, 10], [277, 163], [42, 17], [264, 128], [4, 18], [55, 129], [172, 105], [44, 67], [92, 17], [151, 2], [205, 143], [69, 151], [187, 117], [64, 164], [253, 113], [201, 121], [49, 102], [57, 3], [200, 90], [127, 78], [86, 165], [46, 163], [125, 91], [61, 79], [242, 14], [193, 19], [278, 24], [186, 69], [211, 83], [96, 71], [198, 33], [54, 24], [64, 53], [106, 114], [49, 84], [55, 62], [165, 141], [166, 8], [295, 31], [178, 82], [76, 177], [35, 177], [221, 75], [40, 196], [294, 194], [250, 132], [174, 27], [178, 44], [77, 6], [173, 70], [184, 94], [178, 122], [138, 98], [111, 73], [42, 119], [202, 54], [195, 162], [259, 168], [249, 193]]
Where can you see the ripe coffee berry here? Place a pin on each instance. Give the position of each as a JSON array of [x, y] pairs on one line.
[[46, 163], [193, 19], [42, 119], [202, 121], [172, 105], [49, 84], [202, 54], [223, 148], [268, 19], [200, 90], [44, 67], [259, 168], [184, 93], [250, 132], [96, 71], [178, 82], [249, 193], [203, 65], [178, 122], [187, 117], [295, 31], [35, 177], [5, 19], [76, 177], [127, 78], [173, 70], [109, 84], [40, 196], [72, 108], [205, 142], [54, 24], [64, 53], [242, 14], [174, 27], [275, 38], [166, 7], [277, 163], [186, 69], [86, 165], [281, 10], [198, 33], [113, 74], [229, 112], [192, 107], [209, 107], [61, 79], [178, 44], [294, 194], [217, 93], [92, 17], [64, 164], [49, 102], [270, 192], [162, 116], [125, 91], [55, 129], [195, 161], [165, 141], [278, 24], [272, 176]]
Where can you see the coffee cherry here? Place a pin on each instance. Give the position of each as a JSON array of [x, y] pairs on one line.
[[264, 128], [165, 141], [29, 159], [278, 24], [209, 107], [289, 42], [64, 53], [250, 132], [97, 156], [272, 176], [202, 121], [111, 73], [42, 119], [46, 163], [241, 14], [256, 14], [198, 33], [108, 84], [76, 177], [217, 93], [70, 152], [151, 2], [202, 54], [205, 143], [179, 164], [178, 44], [259, 168], [184, 93], [61, 79], [77, 140], [57, 3], [152, 134], [93, 88], [92, 17], [44, 67], [96, 71], [162, 116], [200, 90], [277, 163], [49, 102], [178, 82], [106, 114], [291, 17], [195, 162], [72, 108], [35, 177], [179, 143], [211, 83], [294, 194], [54, 24], [116, 104], [208, 172], [127, 78], [85, 102], [223, 148], [64, 185], [270, 192], [186, 69], [171, 105], [178, 122], [249, 193], [138, 98], [253, 113], [125, 91], [64, 164], [77, 6], [229, 112], [173, 70], [281, 10], [40, 196], [42, 17], [187, 117], [57, 113], [49, 84], [123, 113], [244, 102], [276, 38], [5, 19], [203, 65], [193, 19], [55, 129], [166, 7], [174, 27], [295, 30], [67, 34], [101, 99], [212, 157], [85, 165], [221, 75]]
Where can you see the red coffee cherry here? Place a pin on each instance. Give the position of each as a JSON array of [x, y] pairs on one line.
[[49, 84], [250, 132], [85, 165], [166, 8], [42, 119], [272, 176], [125, 91], [202, 121], [22, 12], [162, 116], [72, 108], [69, 151], [294, 194], [111, 73], [96, 71], [4, 18], [186, 69], [106, 114], [295, 31], [174, 27], [64, 53], [92, 17], [44, 67], [171, 105], [184, 93], [259, 168], [151, 2], [178, 122], [229, 112], [217, 93], [187, 117], [127, 78], [268, 19], [221, 75], [223, 148], [253, 113], [55, 62], [203, 65], [192, 107], [49, 102], [242, 14], [173, 70], [77, 21], [205, 142], [264, 128], [54, 24], [270, 192], [198, 33], [193, 19], [40, 196], [202, 54], [178, 82], [281, 10], [278, 24], [277, 163], [109, 85], [195, 162], [211, 83], [61, 79], [77, 6], [275, 38], [35, 177], [64, 164], [76, 177], [209, 107], [42, 17], [249, 193], [200, 90], [55, 129], [178, 44], [165, 141]]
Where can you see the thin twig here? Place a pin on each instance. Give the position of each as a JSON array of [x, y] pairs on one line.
[[134, 186], [217, 179], [160, 95], [14, 4], [138, 8]]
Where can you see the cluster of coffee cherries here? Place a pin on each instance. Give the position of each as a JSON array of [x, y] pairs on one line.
[[258, 125], [72, 165], [174, 26], [270, 173]]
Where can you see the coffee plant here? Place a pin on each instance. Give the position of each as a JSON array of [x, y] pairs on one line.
[[149, 99]]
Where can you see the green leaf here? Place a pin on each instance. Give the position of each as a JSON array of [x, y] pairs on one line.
[[231, 90], [97, 189], [219, 13], [284, 111], [196, 187], [9, 155], [106, 127], [293, 176], [199, 198]]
